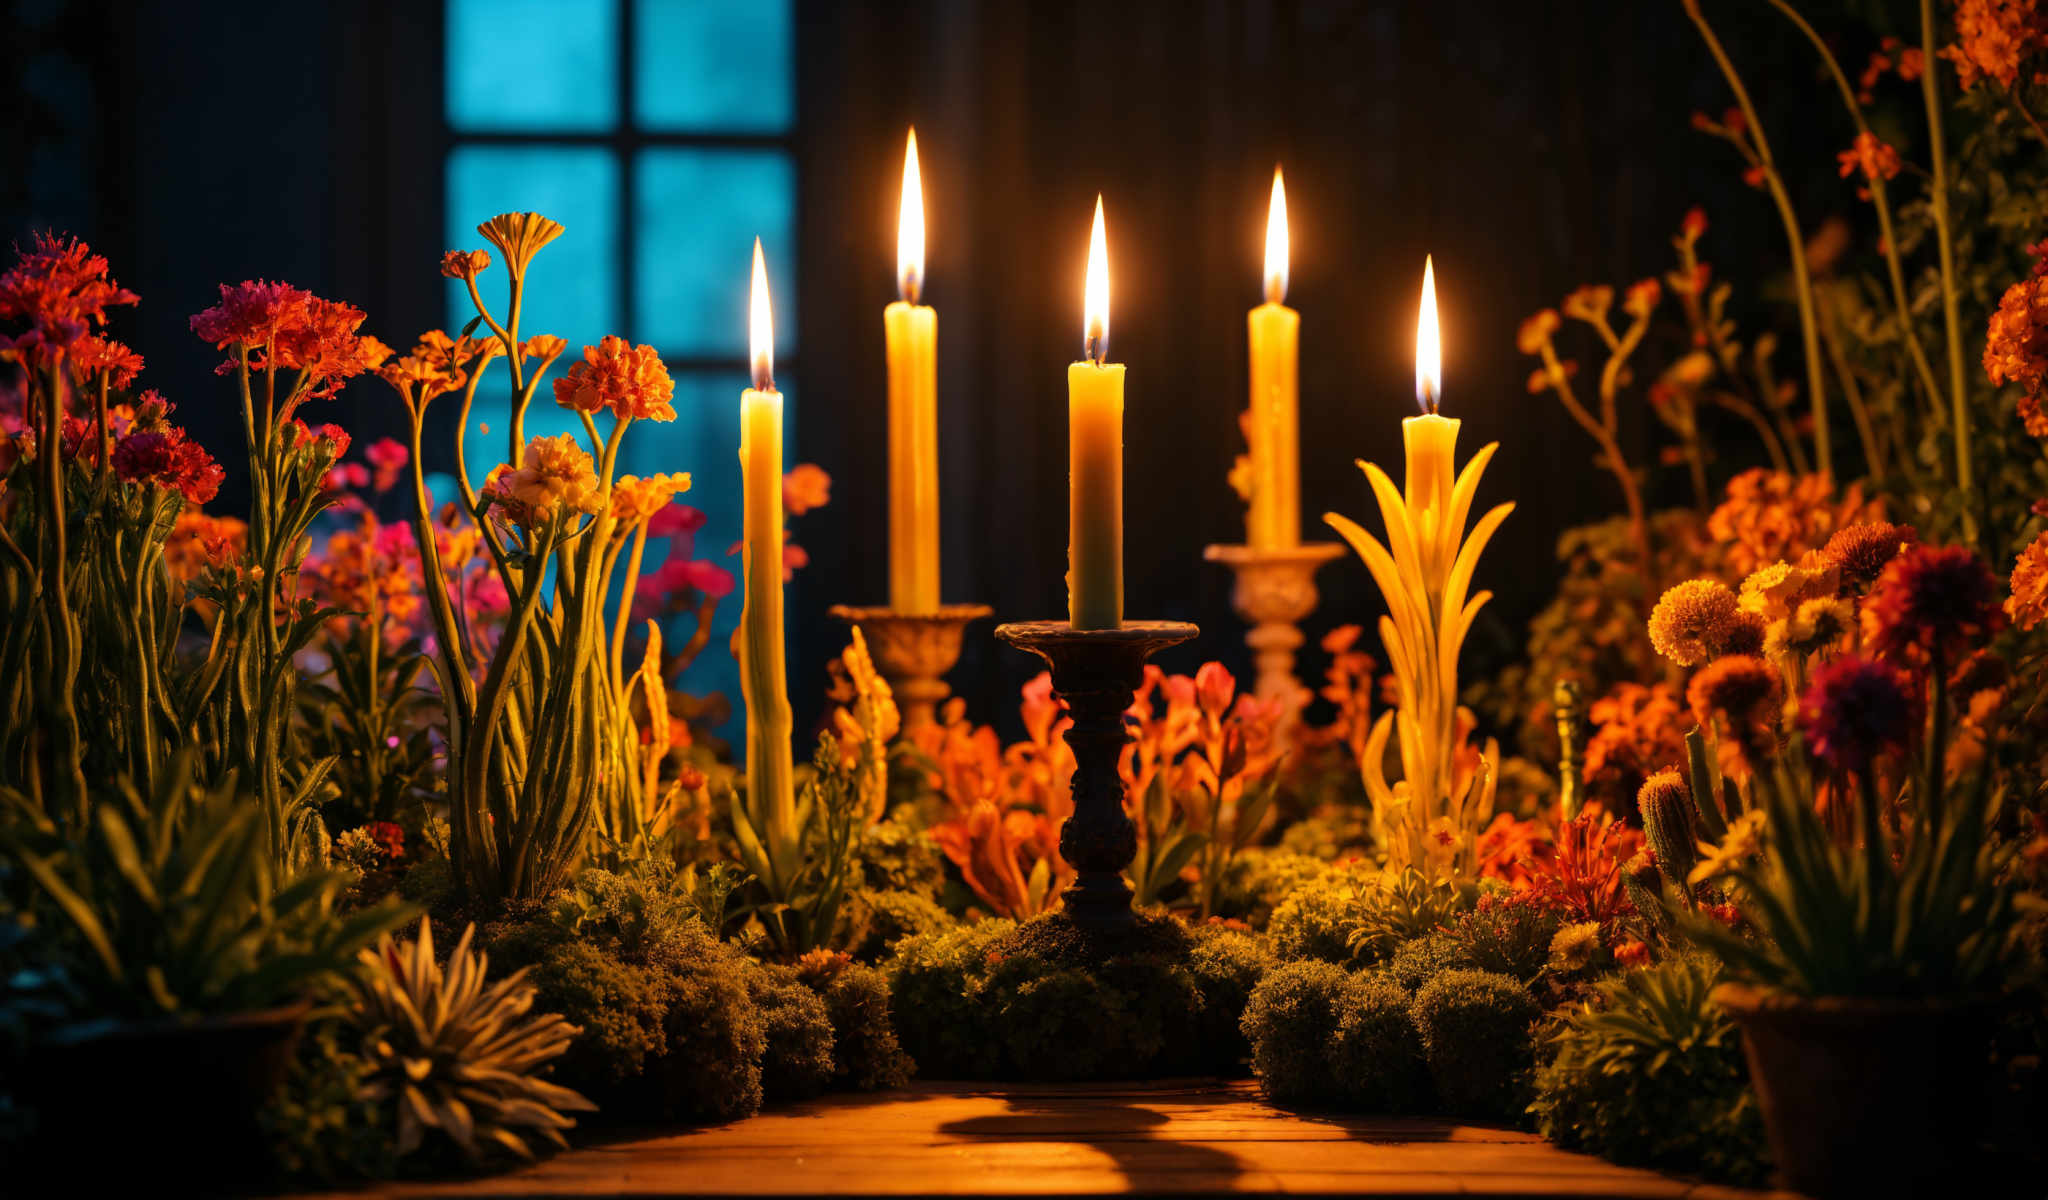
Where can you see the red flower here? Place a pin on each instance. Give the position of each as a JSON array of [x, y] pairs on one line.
[[388, 457], [1931, 597], [389, 836], [1875, 159], [60, 287], [95, 355], [1855, 710], [249, 314], [1632, 954], [165, 458]]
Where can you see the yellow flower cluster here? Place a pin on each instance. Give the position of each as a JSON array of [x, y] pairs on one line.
[[554, 477], [635, 500]]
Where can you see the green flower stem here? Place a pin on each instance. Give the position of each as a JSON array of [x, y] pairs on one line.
[[1802, 281], [625, 614], [1930, 88], [66, 749], [490, 704]]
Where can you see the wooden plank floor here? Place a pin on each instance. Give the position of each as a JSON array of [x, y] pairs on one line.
[[1174, 1138]]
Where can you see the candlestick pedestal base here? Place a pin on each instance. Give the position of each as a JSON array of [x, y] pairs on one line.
[[1276, 590], [1096, 672], [913, 651]]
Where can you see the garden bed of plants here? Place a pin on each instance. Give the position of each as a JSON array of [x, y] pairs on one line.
[[375, 830]]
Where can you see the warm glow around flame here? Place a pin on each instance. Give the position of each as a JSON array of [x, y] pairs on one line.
[[1276, 243], [761, 326], [910, 228], [1095, 328], [1429, 355]]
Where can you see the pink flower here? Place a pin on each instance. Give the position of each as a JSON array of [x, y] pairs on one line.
[[1855, 710], [1214, 688], [677, 520], [1931, 597], [388, 457]]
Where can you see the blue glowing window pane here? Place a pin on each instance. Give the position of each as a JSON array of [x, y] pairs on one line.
[[698, 212], [533, 65], [704, 440], [717, 65]]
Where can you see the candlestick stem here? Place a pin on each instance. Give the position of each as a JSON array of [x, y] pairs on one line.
[[1276, 591], [1096, 672]]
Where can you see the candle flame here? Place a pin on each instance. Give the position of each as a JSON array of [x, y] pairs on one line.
[[1429, 355], [761, 326], [910, 228], [1276, 243], [1095, 327]]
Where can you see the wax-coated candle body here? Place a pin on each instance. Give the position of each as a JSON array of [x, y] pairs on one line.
[[912, 335], [764, 675], [1095, 456], [1273, 520]]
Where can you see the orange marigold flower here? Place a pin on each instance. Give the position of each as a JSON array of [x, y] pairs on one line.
[[1691, 621], [1589, 303], [2016, 342], [1911, 63], [1642, 298], [635, 500], [1536, 332], [1860, 551], [2028, 604], [630, 380], [1771, 515], [807, 486], [1871, 156], [519, 236], [1993, 37], [1740, 687], [1776, 590], [554, 477], [465, 264], [431, 367]]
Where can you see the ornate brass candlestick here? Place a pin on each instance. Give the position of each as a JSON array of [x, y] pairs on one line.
[[1096, 672], [913, 651], [1276, 589]]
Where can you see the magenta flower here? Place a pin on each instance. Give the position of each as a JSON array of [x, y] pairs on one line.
[[1855, 710]]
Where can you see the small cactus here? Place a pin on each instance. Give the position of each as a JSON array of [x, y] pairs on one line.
[[1666, 805]]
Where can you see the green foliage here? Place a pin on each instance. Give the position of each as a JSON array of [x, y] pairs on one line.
[[323, 1127], [1507, 934], [880, 919], [1166, 844], [618, 1006], [1651, 1074], [1290, 1019], [172, 906], [1477, 1035], [1227, 964], [866, 1055], [898, 854], [1419, 960], [1319, 917], [802, 874], [711, 1065], [453, 1054], [1377, 1050], [796, 1063], [935, 983], [373, 717], [1069, 1022], [1259, 878]]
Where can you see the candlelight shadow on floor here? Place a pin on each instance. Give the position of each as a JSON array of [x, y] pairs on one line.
[[1126, 1134]]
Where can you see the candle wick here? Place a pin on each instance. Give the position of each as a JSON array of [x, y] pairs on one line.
[[912, 284], [1095, 347]]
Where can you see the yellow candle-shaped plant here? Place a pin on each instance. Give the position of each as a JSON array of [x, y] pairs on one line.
[[1095, 456], [1430, 819], [912, 332], [768, 818], [1272, 424]]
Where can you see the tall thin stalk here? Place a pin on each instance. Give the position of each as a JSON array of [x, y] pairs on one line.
[[1930, 88]]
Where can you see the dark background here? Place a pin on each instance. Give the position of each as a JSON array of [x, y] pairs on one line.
[[1530, 147]]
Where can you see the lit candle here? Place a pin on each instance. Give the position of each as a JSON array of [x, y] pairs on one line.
[[764, 678], [1274, 519], [1430, 439], [911, 330], [1095, 458]]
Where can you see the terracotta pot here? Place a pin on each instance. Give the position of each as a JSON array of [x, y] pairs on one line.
[[175, 1102], [1863, 1096]]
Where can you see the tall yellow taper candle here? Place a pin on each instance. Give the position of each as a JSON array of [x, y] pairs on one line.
[[911, 330], [1095, 457], [764, 676], [1430, 439], [1273, 521]]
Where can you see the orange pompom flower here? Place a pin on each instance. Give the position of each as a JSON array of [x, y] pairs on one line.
[[630, 380]]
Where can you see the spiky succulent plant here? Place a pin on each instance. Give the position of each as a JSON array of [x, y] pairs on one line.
[[454, 1054]]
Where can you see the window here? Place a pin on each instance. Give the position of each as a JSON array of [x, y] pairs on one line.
[[658, 132]]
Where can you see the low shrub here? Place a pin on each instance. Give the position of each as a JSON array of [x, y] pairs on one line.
[[1227, 964], [1377, 1052], [1652, 1074], [1419, 960], [881, 918], [1477, 1036], [1259, 878], [1070, 1002], [1508, 933], [899, 855], [1319, 918], [1290, 1020], [935, 982], [798, 1061], [620, 1006], [324, 1127], [866, 1055]]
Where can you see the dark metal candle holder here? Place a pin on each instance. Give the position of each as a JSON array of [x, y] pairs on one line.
[[1097, 672], [913, 651]]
